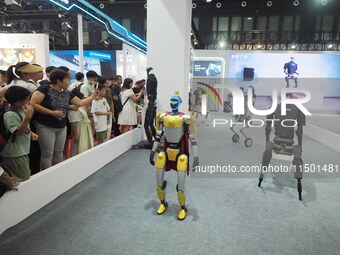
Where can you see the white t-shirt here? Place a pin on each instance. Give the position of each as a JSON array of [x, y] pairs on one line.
[[23, 84], [100, 122], [1, 171], [74, 85], [87, 89]]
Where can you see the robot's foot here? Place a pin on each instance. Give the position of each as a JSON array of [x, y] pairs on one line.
[[182, 213], [162, 208], [260, 181]]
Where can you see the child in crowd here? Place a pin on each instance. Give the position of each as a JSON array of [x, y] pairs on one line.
[[101, 113], [16, 121], [82, 137]]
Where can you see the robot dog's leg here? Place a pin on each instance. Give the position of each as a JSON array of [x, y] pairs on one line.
[[182, 164], [267, 156], [248, 141], [298, 167], [235, 137], [296, 83], [161, 183]]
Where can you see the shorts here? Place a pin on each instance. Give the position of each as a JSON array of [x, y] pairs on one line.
[[102, 136], [18, 167]]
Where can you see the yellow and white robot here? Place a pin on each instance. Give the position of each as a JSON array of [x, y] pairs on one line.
[[177, 128]]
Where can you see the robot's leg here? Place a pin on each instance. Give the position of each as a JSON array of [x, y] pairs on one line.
[[266, 158], [182, 163], [287, 81], [152, 121], [248, 142], [298, 167], [161, 183], [296, 83], [148, 124]]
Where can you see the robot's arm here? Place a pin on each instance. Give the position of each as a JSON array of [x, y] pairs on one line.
[[285, 67], [192, 135], [159, 128]]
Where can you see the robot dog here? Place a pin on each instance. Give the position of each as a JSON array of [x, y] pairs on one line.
[[177, 129], [283, 142]]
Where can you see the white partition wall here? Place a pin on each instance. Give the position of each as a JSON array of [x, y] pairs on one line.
[[168, 38], [33, 48], [45, 186]]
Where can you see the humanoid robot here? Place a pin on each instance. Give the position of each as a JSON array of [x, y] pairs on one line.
[[177, 129], [290, 69], [283, 142], [151, 90]]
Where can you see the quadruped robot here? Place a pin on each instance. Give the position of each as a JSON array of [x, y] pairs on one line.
[[177, 129], [243, 119], [283, 142]]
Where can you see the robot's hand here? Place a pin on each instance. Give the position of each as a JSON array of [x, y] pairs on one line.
[[152, 155], [195, 164]]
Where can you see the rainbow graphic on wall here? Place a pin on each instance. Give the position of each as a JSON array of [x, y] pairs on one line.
[[209, 90]]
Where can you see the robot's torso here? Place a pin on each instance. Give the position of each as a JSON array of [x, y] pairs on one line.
[[173, 126]]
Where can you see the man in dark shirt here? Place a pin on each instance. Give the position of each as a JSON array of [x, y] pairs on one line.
[[116, 89], [48, 70]]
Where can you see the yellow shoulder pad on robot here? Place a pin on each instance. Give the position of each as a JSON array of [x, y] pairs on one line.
[[189, 120]]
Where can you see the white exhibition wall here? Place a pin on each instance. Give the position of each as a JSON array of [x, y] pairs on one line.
[[131, 63], [33, 48], [168, 40], [47, 185]]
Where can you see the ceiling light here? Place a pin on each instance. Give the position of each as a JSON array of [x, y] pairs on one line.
[[218, 5], [194, 5], [293, 47], [269, 3], [324, 2], [208, 1], [296, 3], [330, 46], [258, 46], [244, 4], [250, 18], [221, 44]]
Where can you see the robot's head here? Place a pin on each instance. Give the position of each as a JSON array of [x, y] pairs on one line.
[[292, 58], [175, 101]]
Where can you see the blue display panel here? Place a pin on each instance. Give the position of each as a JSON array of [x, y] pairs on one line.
[[207, 68], [103, 62]]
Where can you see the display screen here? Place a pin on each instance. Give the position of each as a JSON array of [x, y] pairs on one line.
[[11, 56], [317, 72], [102, 62], [207, 68]]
